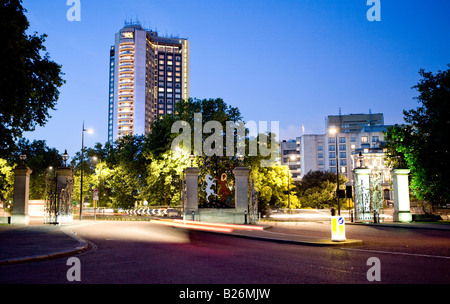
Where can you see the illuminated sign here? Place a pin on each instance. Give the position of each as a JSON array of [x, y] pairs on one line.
[[128, 35], [337, 229]]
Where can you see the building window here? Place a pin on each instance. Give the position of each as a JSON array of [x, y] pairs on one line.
[[320, 155], [332, 155], [320, 148], [331, 148], [342, 147], [331, 140], [375, 139], [343, 162], [342, 140], [332, 162], [364, 139], [353, 139], [343, 154]]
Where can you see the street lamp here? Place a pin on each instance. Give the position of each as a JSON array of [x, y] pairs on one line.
[[334, 131], [192, 158], [65, 158], [90, 131], [360, 160], [241, 159], [23, 158]]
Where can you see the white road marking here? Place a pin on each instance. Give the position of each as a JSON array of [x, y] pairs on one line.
[[398, 253]]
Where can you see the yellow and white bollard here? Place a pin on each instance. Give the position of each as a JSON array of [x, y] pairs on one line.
[[337, 229]]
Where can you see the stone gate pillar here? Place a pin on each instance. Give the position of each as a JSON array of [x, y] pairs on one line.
[[191, 192], [402, 212], [21, 195], [241, 188]]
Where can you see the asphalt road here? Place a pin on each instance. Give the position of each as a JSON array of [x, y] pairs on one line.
[[145, 253]]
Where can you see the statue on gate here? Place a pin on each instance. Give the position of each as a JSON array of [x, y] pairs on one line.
[[208, 188]]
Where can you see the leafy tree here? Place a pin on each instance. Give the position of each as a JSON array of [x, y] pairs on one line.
[[40, 158], [161, 136], [101, 181], [6, 181], [272, 184], [422, 144], [29, 81], [164, 179], [317, 189], [124, 187], [117, 171]]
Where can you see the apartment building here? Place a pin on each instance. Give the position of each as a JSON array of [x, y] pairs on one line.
[[148, 76], [290, 156]]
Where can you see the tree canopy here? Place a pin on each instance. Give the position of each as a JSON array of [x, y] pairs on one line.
[[29, 80], [422, 144], [317, 189]]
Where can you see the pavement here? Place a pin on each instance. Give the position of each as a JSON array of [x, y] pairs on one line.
[[37, 242], [24, 244]]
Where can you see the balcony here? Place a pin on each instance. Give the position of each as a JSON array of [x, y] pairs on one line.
[[127, 82], [126, 64], [126, 111], [126, 46], [126, 76], [126, 93], [125, 123], [125, 87], [126, 53], [123, 99], [126, 58], [125, 116]]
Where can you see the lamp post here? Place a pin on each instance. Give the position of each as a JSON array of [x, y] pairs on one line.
[[360, 162], [192, 158], [82, 165], [241, 159], [65, 158], [23, 158], [335, 132]]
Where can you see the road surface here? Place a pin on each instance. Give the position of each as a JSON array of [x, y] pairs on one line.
[[146, 253]]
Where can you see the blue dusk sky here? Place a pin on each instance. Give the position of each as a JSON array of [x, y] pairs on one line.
[[289, 61]]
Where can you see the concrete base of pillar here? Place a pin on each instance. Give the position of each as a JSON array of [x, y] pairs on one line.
[[402, 217], [20, 219], [226, 216]]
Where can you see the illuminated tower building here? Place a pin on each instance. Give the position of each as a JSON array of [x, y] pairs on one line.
[[148, 75]]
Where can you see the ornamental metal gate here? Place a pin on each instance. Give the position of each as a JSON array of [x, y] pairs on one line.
[[59, 196], [369, 198]]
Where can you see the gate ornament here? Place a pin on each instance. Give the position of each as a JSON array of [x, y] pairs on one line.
[[208, 188], [217, 189]]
